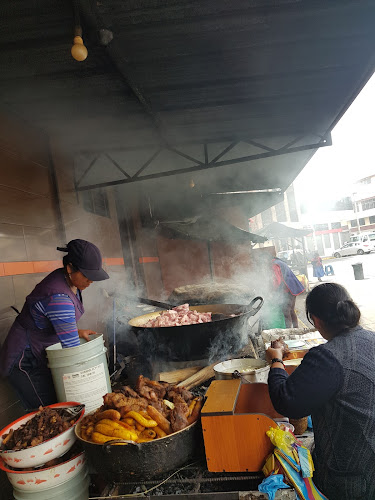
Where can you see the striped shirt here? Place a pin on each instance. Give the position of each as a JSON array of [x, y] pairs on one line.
[[59, 311]]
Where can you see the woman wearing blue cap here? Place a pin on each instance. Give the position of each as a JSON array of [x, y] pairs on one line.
[[49, 315]]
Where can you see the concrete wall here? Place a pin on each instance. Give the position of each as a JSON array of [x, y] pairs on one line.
[[185, 262], [230, 260], [28, 232], [28, 229], [182, 262]]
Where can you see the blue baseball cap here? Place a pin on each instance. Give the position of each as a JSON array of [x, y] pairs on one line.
[[86, 257]]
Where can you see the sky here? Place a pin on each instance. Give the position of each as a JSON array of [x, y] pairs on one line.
[[333, 170]]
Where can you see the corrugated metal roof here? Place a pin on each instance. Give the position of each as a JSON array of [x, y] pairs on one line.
[[218, 76], [219, 69], [210, 71]]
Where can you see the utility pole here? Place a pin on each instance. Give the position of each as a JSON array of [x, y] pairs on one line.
[[356, 213]]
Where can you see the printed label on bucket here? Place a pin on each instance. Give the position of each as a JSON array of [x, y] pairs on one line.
[[87, 386]]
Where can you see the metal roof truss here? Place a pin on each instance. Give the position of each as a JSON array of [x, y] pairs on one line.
[[88, 161]]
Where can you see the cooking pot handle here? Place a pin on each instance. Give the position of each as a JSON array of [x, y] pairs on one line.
[[237, 374], [254, 310], [107, 446]]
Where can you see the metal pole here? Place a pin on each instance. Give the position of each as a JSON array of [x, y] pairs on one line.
[[356, 214], [314, 239], [212, 271], [114, 335], [305, 261], [56, 194]]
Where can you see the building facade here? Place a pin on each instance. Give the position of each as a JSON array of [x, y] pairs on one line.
[[286, 211], [330, 229], [364, 205]]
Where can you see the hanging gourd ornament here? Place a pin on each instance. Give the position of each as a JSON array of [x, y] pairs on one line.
[[78, 51]]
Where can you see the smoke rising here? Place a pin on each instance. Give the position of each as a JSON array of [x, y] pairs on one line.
[[151, 351]]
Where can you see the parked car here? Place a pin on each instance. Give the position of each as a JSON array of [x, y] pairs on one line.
[[352, 249], [365, 239]]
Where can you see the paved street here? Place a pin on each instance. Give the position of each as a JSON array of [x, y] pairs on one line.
[[362, 291]]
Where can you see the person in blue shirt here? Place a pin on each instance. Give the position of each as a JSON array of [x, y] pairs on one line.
[[49, 315]]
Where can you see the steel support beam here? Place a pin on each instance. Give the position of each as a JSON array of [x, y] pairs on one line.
[[199, 166]]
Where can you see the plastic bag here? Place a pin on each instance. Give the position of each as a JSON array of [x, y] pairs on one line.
[[294, 462], [271, 484], [281, 439]]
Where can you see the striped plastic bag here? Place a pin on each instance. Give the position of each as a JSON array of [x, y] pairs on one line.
[[294, 461]]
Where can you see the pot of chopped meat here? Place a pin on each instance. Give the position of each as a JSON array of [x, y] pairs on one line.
[[40, 436], [179, 441], [189, 332]]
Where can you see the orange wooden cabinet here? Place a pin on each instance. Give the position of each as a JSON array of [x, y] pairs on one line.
[[235, 418]]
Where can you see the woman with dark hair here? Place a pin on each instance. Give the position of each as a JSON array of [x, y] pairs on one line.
[[335, 384], [49, 316]]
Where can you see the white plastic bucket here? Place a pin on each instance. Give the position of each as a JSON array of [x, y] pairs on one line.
[[80, 373], [74, 489]]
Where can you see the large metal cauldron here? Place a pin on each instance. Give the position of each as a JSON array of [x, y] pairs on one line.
[[191, 342], [127, 459]]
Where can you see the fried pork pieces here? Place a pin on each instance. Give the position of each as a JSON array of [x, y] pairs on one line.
[[46, 424], [150, 392]]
